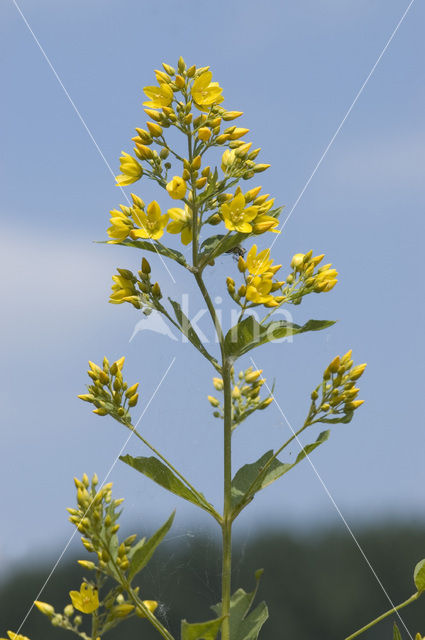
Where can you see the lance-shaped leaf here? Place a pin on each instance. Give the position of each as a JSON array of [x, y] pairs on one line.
[[141, 553], [396, 632], [419, 576], [244, 626], [255, 476], [249, 333], [155, 247], [190, 333], [201, 630], [158, 472]]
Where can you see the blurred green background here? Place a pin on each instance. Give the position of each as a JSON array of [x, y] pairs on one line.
[[317, 585]]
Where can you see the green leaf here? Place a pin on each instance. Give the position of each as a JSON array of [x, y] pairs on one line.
[[396, 632], [142, 553], [201, 630], [419, 576], [249, 333], [216, 245], [154, 247], [190, 333], [158, 472], [242, 625], [252, 477]]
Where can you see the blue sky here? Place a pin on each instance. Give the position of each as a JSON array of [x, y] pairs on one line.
[[294, 68]]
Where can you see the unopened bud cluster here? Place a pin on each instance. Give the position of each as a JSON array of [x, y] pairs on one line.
[[137, 290], [96, 518], [108, 391], [245, 395], [306, 278], [335, 399]]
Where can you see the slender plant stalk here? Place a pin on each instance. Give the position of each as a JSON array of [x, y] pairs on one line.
[[384, 615], [227, 512]]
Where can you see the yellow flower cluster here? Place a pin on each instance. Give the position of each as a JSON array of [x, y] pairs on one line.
[[14, 636], [237, 216], [245, 395], [108, 391], [258, 271], [140, 292], [304, 274], [337, 395], [170, 104]]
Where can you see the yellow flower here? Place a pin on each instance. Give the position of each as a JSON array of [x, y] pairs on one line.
[[151, 223], [159, 97], [131, 170], [236, 217], [123, 290], [177, 188], [120, 226], [258, 290], [258, 264], [206, 93], [14, 636], [149, 604], [181, 222], [86, 599]]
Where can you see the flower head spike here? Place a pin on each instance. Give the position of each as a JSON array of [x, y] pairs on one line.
[[86, 599], [206, 93], [236, 217], [181, 222], [152, 223], [159, 97], [131, 170]]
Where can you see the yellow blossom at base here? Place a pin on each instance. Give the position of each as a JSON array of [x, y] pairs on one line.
[[14, 636], [236, 217], [177, 188], [152, 223], [181, 222], [161, 96], [86, 599], [206, 93]]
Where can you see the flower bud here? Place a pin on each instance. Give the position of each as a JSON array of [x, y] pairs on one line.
[[204, 134], [154, 129], [213, 401]]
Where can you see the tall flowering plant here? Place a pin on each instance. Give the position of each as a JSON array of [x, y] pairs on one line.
[[194, 198]]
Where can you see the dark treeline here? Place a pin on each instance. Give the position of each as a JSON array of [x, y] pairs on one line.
[[317, 587]]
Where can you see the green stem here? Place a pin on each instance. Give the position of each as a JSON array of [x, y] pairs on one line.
[[384, 615], [227, 511]]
